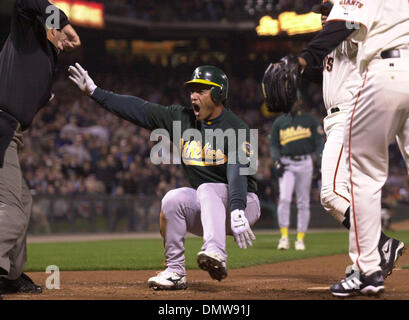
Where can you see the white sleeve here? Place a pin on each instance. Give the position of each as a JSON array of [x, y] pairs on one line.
[[357, 14]]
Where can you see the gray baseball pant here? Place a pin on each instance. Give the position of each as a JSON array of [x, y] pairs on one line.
[[15, 210], [202, 212], [298, 175]]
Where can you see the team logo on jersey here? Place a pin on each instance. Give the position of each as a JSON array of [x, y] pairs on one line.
[[194, 154], [293, 134], [351, 4]]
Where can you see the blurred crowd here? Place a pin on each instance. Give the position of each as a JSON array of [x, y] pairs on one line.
[[203, 10], [76, 147]]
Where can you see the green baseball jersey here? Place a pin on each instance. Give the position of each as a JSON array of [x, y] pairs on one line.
[[202, 160], [205, 157], [296, 134]]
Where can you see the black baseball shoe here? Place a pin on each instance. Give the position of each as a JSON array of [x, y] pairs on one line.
[[359, 284], [213, 263], [390, 250], [22, 284]]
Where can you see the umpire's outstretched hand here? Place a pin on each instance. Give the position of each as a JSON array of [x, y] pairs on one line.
[[81, 78]]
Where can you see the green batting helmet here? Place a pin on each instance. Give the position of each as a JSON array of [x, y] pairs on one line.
[[214, 77]]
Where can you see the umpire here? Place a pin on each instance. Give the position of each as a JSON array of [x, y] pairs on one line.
[[294, 138], [27, 64]]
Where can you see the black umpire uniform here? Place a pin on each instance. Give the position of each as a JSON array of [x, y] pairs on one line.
[[27, 63]]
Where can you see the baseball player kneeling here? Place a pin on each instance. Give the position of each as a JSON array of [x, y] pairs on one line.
[[222, 200]]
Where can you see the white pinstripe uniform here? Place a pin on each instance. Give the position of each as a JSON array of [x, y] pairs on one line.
[[380, 112]]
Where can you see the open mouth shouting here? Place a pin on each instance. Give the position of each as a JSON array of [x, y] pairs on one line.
[[196, 109]]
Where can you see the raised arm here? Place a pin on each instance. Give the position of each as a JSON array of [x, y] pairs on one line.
[[134, 109], [330, 37], [27, 13], [130, 108], [42, 9]]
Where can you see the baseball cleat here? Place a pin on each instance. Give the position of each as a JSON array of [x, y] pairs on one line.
[[283, 244], [390, 251], [359, 284], [167, 280], [299, 245], [214, 263]]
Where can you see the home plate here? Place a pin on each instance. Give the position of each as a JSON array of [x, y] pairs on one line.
[[318, 288]]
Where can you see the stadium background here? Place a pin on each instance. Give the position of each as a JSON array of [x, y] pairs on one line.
[[91, 172]]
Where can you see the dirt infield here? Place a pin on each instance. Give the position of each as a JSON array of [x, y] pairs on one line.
[[306, 279]]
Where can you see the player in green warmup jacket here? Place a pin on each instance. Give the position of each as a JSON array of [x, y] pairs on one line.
[[294, 138]]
